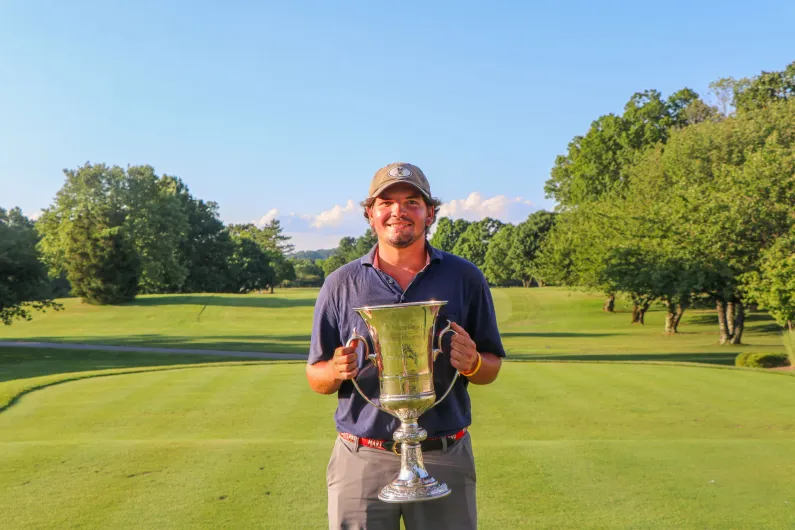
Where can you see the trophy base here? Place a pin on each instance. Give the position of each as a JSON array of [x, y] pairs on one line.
[[399, 492], [413, 483]]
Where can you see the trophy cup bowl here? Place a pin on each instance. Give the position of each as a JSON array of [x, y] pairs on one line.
[[403, 353]]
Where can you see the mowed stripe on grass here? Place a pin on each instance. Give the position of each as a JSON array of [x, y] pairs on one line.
[[546, 323], [557, 445]]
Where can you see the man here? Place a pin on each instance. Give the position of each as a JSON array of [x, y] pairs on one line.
[[402, 268]]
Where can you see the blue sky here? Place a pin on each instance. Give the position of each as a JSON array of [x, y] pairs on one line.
[[287, 109]]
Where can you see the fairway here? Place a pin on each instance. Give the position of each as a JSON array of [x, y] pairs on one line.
[[175, 444], [557, 445], [535, 324]]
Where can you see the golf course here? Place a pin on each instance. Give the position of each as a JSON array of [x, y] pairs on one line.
[[592, 423]]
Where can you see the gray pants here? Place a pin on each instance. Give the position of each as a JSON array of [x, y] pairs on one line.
[[356, 474]]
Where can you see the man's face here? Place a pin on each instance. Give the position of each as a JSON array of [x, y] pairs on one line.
[[399, 216]]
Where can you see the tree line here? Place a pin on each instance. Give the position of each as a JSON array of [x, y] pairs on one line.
[[677, 200], [112, 233], [683, 201], [507, 254]]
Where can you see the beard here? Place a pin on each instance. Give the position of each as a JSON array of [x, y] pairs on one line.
[[404, 239]]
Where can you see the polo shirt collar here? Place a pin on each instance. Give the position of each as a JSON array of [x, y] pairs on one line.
[[434, 255]]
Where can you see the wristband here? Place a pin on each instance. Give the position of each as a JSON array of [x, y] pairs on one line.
[[475, 369]]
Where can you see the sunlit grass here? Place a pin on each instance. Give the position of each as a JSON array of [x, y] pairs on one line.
[[557, 446], [547, 323]]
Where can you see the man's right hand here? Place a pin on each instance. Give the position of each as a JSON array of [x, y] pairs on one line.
[[344, 363]]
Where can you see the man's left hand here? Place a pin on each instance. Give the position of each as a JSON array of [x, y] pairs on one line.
[[463, 352]]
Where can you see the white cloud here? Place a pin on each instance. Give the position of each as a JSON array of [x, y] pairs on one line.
[[268, 217], [314, 240], [335, 216], [475, 207], [35, 215], [312, 231]]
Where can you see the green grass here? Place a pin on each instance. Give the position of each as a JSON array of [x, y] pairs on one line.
[[102, 439], [23, 363], [268, 323], [558, 445], [538, 324]]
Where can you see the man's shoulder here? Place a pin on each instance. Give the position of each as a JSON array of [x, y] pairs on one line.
[[349, 271]]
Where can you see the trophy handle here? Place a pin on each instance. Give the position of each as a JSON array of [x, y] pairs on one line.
[[370, 357], [436, 352]]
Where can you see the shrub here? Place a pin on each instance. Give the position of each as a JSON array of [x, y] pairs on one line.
[[762, 360], [741, 359]]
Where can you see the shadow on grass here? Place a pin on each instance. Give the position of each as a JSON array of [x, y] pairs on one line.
[[21, 363], [249, 343], [711, 319], [264, 301], [718, 357]]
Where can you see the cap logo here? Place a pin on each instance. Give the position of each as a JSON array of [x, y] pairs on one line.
[[400, 172]]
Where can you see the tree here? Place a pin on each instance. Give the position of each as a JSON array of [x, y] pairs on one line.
[[85, 235], [275, 238], [271, 241], [100, 260], [528, 238], [499, 268], [332, 263], [363, 245], [349, 249], [308, 273], [250, 266], [158, 222], [448, 232], [474, 242], [723, 192], [764, 89], [598, 162], [772, 286], [283, 269], [344, 253], [206, 247], [24, 284]]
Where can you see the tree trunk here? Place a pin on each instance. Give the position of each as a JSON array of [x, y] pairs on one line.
[[643, 309], [639, 312], [680, 310], [720, 306], [525, 283], [739, 323], [610, 304], [540, 283], [670, 317], [730, 319], [271, 289]]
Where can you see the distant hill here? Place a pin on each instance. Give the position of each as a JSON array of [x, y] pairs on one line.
[[313, 254]]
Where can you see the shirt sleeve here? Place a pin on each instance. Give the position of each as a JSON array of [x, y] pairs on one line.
[[482, 321], [325, 329]]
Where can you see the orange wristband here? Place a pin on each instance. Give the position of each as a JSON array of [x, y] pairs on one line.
[[475, 369]]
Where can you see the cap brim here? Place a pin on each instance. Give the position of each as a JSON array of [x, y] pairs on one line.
[[387, 184]]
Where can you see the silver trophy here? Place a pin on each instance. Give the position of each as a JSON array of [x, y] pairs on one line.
[[402, 336]]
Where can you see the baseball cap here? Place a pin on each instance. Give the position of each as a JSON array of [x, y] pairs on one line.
[[399, 172]]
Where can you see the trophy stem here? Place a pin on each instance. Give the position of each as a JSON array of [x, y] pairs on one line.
[[413, 483]]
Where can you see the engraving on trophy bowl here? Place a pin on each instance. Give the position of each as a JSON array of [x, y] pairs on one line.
[[402, 337]]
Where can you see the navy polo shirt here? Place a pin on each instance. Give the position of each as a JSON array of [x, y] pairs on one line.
[[358, 283]]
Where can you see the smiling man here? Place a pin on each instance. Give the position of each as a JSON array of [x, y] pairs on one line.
[[402, 268]]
